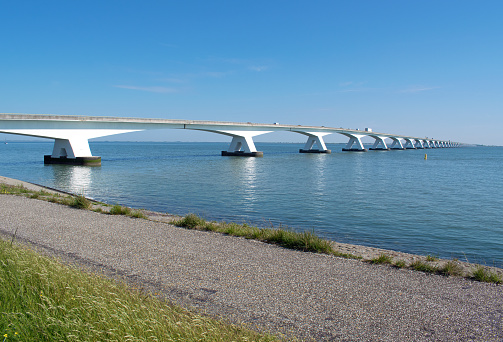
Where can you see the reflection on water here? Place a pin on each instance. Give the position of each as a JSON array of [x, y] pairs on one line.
[[75, 179], [320, 163], [249, 182], [358, 173], [245, 174]]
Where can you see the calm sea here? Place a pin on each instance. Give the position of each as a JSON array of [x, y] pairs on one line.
[[449, 205]]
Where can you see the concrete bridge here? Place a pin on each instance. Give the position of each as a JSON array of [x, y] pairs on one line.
[[72, 133]]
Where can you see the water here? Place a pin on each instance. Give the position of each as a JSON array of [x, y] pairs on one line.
[[448, 205]]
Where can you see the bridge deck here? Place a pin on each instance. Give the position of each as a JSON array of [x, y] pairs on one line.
[[194, 124]]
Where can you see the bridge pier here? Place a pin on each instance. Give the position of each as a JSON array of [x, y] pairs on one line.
[[354, 139], [72, 152], [409, 145], [418, 144], [379, 144], [242, 144], [314, 138], [397, 144]]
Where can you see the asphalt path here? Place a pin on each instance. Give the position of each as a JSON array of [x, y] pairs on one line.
[[306, 295]]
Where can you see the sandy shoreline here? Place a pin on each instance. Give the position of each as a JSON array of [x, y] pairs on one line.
[[308, 295]]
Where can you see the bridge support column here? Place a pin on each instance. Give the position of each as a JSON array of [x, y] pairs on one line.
[[379, 144], [409, 145], [314, 138], [354, 139], [242, 144], [418, 144], [397, 144], [72, 152]]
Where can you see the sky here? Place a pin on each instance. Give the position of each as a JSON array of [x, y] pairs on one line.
[[418, 68]]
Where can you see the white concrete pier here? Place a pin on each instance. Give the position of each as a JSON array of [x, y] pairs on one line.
[[355, 142], [314, 139], [379, 144]]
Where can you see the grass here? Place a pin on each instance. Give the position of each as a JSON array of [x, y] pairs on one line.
[[80, 202], [382, 259], [126, 211], [423, 267], [304, 241], [451, 268], [400, 264], [431, 258], [481, 273], [43, 300], [119, 210], [15, 190]]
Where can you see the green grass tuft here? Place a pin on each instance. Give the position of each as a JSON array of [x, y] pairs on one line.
[[80, 202], [138, 214], [483, 274], [451, 268], [382, 259], [44, 300], [423, 267], [126, 211], [431, 258], [191, 221], [120, 210], [400, 264], [14, 189]]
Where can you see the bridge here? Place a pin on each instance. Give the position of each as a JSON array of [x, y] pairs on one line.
[[71, 135]]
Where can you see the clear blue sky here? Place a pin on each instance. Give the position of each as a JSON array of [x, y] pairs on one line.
[[422, 68]]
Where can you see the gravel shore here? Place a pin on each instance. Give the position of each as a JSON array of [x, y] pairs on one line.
[[306, 295]]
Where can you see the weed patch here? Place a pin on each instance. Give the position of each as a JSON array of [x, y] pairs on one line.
[[382, 259], [451, 268], [138, 214], [400, 264], [191, 221], [483, 274], [120, 210], [423, 267], [80, 202], [431, 258], [126, 211]]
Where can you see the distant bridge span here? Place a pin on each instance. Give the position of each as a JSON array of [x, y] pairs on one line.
[[71, 134]]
